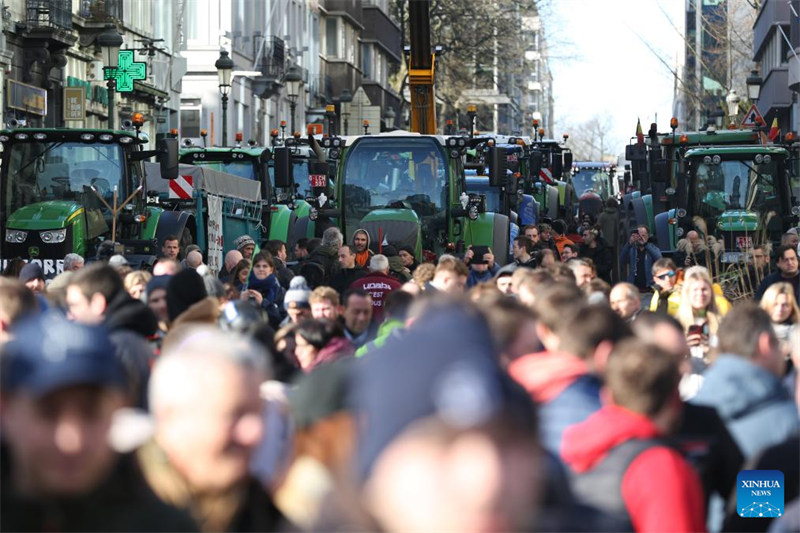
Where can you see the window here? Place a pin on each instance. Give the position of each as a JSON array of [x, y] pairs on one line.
[[366, 60], [332, 37], [190, 123], [199, 27]]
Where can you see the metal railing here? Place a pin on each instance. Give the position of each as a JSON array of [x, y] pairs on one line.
[[48, 14]]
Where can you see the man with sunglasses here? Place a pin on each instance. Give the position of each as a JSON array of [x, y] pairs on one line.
[[667, 296]]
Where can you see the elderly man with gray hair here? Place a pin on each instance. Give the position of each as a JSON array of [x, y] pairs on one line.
[[326, 256], [378, 283], [73, 262], [204, 397]]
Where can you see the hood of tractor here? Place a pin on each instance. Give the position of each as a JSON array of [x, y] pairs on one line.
[[44, 215], [739, 220], [398, 227]]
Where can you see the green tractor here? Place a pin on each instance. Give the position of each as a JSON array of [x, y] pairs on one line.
[[286, 212], [409, 189], [68, 190]]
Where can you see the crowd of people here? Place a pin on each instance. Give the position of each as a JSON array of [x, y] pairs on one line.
[[343, 385]]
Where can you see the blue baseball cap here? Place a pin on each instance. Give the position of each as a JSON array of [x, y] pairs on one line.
[[49, 352]]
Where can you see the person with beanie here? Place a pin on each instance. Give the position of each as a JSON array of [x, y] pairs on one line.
[[406, 253], [184, 289], [246, 245], [296, 301], [32, 276], [397, 268]]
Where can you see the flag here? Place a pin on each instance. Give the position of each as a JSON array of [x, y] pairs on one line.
[[639, 133], [774, 130]]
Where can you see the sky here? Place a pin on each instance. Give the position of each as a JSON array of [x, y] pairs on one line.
[[602, 67]]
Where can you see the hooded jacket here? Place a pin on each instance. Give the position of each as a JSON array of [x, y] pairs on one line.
[[751, 402], [362, 258], [659, 489], [337, 348], [629, 255], [562, 386]]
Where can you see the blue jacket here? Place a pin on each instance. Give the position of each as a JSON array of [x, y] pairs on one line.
[[751, 402], [628, 255], [476, 277], [572, 406]]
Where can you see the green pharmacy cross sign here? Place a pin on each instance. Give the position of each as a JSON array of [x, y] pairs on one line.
[[126, 71]]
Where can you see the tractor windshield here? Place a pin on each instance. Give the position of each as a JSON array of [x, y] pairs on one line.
[[734, 185], [242, 168], [591, 179], [383, 172], [45, 171]]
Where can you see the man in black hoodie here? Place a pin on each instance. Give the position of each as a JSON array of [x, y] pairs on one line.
[[96, 295]]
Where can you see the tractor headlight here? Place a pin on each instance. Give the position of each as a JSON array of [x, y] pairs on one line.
[[767, 159], [473, 213], [716, 159], [53, 236], [313, 213], [707, 160], [16, 236], [681, 212], [759, 159]]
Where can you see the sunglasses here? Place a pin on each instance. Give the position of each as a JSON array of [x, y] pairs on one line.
[[666, 275]]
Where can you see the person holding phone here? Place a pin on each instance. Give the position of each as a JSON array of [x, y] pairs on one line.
[[640, 254], [698, 312]]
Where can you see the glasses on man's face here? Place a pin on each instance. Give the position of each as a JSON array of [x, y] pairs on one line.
[[666, 275]]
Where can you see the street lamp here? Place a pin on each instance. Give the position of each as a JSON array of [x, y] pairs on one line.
[[224, 66], [110, 42], [330, 113], [345, 98], [294, 82], [753, 82], [390, 116], [732, 101]]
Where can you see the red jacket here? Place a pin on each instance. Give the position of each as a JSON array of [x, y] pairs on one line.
[[546, 374], [660, 489], [379, 285]]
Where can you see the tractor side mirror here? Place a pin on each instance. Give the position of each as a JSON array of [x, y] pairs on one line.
[[168, 157], [283, 167]]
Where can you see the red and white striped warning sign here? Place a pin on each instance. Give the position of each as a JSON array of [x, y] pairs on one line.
[[545, 175], [181, 187]]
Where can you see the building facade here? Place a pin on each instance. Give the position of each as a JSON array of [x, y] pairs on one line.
[[50, 45]]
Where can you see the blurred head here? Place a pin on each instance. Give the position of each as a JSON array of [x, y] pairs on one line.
[[157, 297], [583, 269], [171, 247], [166, 266], [379, 263], [61, 386], [589, 236], [406, 254], [325, 303], [665, 274], [277, 249], [790, 238], [747, 331], [232, 259], [625, 300], [73, 262], [136, 283], [760, 257], [32, 276], [532, 233], [332, 238], [204, 396], [360, 240], [357, 310], [644, 234], [522, 248], [311, 336], [89, 292], [778, 301], [347, 258], [16, 302], [263, 266], [300, 251], [503, 283], [194, 259], [697, 290], [548, 258], [787, 261], [568, 252], [451, 276]]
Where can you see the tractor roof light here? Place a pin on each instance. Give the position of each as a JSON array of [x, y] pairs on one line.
[[239, 136], [683, 139], [673, 123], [203, 133], [137, 119], [789, 137]]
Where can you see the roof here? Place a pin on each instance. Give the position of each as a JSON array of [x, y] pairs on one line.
[[736, 150], [75, 133]]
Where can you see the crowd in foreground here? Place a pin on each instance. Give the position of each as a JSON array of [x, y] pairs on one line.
[[355, 389]]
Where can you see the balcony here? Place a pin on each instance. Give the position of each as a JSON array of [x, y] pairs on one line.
[[382, 30], [773, 13], [102, 10], [349, 9], [342, 75], [775, 91], [48, 32], [270, 53], [48, 15]]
